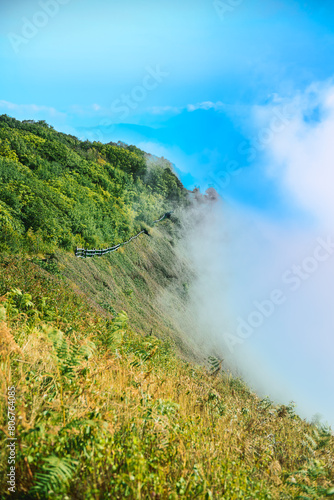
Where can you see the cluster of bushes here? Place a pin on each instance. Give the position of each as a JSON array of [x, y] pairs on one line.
[[58, 191]]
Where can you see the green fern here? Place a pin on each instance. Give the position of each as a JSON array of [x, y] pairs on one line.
[[56, 472], [117, 328], [69, 356], [215, 365], [144, 354], [321, 438], [324, 437]]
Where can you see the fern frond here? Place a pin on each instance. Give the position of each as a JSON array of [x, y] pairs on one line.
[[55, 472]]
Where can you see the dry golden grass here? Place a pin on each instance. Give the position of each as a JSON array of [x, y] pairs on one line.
[[105, 412]]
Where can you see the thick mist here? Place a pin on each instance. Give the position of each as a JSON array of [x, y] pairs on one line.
[[263, 298]]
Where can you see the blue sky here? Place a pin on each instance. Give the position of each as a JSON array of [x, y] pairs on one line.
[[80, 58], [203, 83]]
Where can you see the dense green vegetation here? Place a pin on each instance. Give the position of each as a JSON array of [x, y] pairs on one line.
[[57, 191], [104, 412], [112, 399]]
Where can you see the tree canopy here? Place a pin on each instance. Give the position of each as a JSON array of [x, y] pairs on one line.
[[59, 191]]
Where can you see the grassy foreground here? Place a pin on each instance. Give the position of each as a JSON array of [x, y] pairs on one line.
[[104, 411]]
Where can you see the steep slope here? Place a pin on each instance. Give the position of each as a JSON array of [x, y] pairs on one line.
[[137, 279], [102, 411], [104, 395]]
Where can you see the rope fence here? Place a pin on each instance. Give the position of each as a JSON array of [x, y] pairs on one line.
[[84, 252]]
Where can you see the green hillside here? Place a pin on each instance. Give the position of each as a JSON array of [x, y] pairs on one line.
[[59, 192], [112, 399]]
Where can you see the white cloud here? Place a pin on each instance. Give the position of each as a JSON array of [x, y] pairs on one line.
[[301, 156], [26, 111], [205, 105], [245, 254]]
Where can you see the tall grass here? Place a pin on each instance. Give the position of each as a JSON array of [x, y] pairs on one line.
[[105, 412]]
